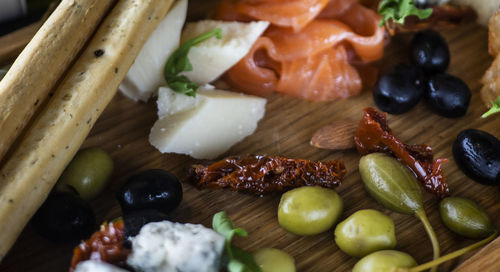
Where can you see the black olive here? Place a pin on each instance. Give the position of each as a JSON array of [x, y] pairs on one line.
[[447, 95], [430, 52], [64, 217], [399, 90], [477, 153], [135, 220], [151, 189]]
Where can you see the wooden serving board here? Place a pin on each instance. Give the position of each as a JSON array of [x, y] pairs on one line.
[[286, 130]]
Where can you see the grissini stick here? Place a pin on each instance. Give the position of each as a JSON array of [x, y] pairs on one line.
[[43, 61], [58, 131]]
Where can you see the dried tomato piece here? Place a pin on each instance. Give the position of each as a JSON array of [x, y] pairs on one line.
[[374, 135], [266, 174], [105, 245], [443, 16]]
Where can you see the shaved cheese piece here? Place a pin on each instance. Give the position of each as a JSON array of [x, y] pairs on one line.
[[146, 74], [213, 57], [207, 125]]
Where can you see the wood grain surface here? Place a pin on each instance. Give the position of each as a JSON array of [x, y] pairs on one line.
[[286, 130]]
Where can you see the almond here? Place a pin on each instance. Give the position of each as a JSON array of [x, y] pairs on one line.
[[338, 135]]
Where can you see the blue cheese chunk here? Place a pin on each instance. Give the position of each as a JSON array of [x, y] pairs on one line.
[[97, 266], [167, 246]]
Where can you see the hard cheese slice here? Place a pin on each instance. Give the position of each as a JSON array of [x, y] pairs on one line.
[[146, 74], [209, 125], [213, 57]]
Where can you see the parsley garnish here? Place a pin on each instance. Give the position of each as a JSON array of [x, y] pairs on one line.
[[495, 108], [238, 259], [178, 62], [398, 10]]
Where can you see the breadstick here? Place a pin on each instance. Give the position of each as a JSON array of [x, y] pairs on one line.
[[56, 134], [42, 63]]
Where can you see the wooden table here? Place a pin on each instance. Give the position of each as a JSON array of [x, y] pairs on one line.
[[286, 130]]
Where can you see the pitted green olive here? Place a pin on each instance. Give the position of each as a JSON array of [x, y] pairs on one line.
[[272, 260], [465, 217], [88, 173], [364, 232], [309, 210], [384, 261]]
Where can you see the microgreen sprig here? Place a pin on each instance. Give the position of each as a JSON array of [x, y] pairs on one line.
[[495, 108], [178, 62], [398, 10]]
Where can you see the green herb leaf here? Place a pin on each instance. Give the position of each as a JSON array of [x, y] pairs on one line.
[[239, 260], [222, 224], [246, 259], [398, 10], [178, 62], [495, 108]]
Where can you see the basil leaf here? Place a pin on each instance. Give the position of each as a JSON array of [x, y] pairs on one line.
[[398, 10], [178, 62], [239, 260], [246, 259], [222, 224], [495, 108]]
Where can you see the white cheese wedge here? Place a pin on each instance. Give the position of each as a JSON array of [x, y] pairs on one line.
[[146, 74], [206, 126], [167, 246], [213, 57], [97, 266]]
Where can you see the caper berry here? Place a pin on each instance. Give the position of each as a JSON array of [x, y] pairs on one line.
[[88, 173], [272, 260], [364, 232], [384, 261], [393, 186], [309, 210], [390, 183], [465, 217]]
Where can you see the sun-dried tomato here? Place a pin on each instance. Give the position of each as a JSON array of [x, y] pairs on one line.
[[442, 17], [374, 135], [105, 245], [266, 174]]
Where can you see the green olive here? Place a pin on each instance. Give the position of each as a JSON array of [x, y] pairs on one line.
[[390, 183], [465, 217], [88, 173], [364, 232], [384, 261], [309, 210], [272, 260]]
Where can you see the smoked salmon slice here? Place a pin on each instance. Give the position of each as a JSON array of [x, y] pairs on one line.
[[309, 50]]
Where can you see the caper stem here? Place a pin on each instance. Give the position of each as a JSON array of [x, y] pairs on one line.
[[420, 214], [452, 255]]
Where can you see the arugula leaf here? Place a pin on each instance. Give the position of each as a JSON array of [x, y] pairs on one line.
[[398, 10], [178, 62], [495, 108], [239, 260]]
